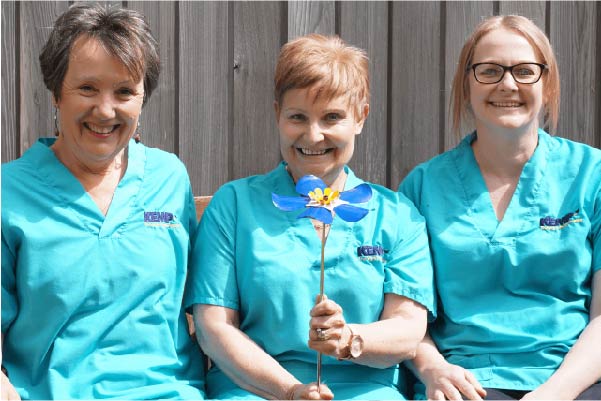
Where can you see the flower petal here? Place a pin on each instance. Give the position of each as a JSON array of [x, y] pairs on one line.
[[318, 213], [350, 213], [308, 183], [289, 203], [359, 194]]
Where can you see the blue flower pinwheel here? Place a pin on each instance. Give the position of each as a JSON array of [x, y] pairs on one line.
[[321, 202]]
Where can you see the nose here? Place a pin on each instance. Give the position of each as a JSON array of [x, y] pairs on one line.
[[104, 109], [315, 132], [508, 82]]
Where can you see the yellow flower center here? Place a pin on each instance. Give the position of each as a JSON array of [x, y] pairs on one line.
[[324, 197]]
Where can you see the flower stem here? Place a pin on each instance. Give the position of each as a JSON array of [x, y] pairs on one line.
[[321, 285]]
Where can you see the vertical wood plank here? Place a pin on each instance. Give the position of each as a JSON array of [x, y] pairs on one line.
[[534, 10], [415, 86], [573, 33], [204, 95], [36, 21], [365, 24], [462, 18], [306, 16], [257, 28], [10, 146], [157, 122]]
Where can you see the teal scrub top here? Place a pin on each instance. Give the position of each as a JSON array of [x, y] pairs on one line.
[[92, 305], [265, 263], [514, 295]]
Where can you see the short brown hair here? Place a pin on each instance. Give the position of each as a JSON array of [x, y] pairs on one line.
[[123, 33], [327, 63], [537, 39]]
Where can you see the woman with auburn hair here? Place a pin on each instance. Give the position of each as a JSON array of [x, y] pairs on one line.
[[96, 229], [514, 219], [256, 269]]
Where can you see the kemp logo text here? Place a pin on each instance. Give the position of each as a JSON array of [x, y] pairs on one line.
[[370, 253], [552, 223], [160, 219]]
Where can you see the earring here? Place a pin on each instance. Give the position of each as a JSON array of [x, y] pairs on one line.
[[56, 131], [138, 133]]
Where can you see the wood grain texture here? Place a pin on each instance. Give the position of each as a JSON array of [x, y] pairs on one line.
[[573, 34], [535, 10], [257, 28], [461, 20], [365, 24], [308, 16], [8, 124], [158, 120], [36, 119], [415, 86], [204, 95]]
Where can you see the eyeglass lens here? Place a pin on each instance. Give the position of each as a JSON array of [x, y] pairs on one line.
[[526, 73]]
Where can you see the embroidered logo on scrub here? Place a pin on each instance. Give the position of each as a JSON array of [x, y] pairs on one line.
[[160, 219], [369, 253], [552, 223]]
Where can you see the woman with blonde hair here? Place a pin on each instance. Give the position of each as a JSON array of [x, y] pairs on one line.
[[256, 269], [514, 219]]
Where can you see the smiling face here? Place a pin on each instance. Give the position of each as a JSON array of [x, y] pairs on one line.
[[98, 108], [506, 105], [317, 136]]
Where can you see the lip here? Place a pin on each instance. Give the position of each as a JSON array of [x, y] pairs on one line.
[[508, 104], [101, 131], [313, 152]]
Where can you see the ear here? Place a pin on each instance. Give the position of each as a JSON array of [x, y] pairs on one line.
[[362, 118], [54, 101], [276, 107]]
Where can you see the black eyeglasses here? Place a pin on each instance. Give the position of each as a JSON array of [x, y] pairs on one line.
[[523, 73]]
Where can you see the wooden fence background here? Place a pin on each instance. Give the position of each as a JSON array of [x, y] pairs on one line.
[[214, 103]]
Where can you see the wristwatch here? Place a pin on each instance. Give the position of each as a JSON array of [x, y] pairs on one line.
[[354, 348]]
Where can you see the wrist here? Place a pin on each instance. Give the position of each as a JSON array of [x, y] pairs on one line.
[[289, 394], [353, 347]]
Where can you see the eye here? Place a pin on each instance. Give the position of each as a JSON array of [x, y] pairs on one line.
[[125, 92], [86, 89], [297, 117], [333, 117], [490, 72], [524, 72]]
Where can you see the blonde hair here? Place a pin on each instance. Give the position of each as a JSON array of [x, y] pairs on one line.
[[460, 98], [327, 64]]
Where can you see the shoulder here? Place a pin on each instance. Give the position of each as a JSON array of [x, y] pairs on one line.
[[159, 159], [569, 150], [431, 174]]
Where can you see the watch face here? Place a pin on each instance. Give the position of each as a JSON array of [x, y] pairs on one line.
[[356, 346]]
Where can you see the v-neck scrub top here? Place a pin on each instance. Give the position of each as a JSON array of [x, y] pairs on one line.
[[514, 295], [265, 263], [92, 305]]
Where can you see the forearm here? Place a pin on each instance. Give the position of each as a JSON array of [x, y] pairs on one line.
[[245, 362], [581, 367], [427, 358], [389, 341]]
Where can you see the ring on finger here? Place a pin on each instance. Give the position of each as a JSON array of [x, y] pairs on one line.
[[321, 334]]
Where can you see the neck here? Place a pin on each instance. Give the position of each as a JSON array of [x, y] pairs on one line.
[[86, 171], [336, 183], [504, 154]]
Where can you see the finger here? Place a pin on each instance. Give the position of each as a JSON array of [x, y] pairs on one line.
[[327, 307], [451, 393], [325, 392], [321, 334], [469, 376], [468, 390], [437, 395], [320, 298], [335, 321]]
